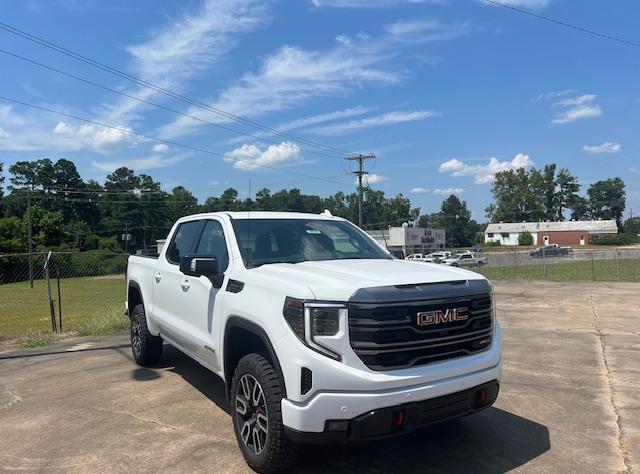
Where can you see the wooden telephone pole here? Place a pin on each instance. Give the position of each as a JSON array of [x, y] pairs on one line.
[[360, 173]]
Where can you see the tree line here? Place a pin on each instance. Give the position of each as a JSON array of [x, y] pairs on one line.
[[69, 213], [554, 194]]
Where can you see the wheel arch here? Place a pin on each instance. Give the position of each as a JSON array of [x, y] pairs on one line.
[[134, 296], [253, 339]]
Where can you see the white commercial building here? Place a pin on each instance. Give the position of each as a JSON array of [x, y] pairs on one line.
[[545, 233], [410, 239]]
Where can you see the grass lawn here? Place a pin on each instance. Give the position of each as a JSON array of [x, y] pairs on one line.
[[90, 306], [598, 270]]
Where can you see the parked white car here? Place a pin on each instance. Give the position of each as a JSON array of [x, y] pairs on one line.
[[437, 257], [317, 332]]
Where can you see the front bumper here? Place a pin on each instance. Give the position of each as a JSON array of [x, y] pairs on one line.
[[311, 415], [402, 419]]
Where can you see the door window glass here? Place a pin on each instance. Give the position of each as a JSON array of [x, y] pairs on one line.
[[212, 243], [183, 240]]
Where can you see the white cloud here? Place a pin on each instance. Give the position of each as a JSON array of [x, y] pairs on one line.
[[185, 47], [452, 165], [322, 118], [577, 108], [424, 31], [290, 77], [4, 133], [530, 4], [555, 94], [250, 157], [448, 191], [397, 116], [160, 148], [606, 147], [95, 137], [484, 174], [420, 190], [367, 3], [635, 169], [138, 164], [375, 178]]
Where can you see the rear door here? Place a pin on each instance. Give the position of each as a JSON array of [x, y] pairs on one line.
[[171, 286]]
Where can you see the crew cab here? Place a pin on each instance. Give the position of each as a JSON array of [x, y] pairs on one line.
[[553, 250], [464, 259], [317, 332]]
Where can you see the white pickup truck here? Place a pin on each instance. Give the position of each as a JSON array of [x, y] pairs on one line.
[[318, 333]]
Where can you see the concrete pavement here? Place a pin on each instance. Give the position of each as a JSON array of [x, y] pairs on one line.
[[568, 402]]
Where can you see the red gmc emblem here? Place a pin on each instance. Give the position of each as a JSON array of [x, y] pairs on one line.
[[438, 316]]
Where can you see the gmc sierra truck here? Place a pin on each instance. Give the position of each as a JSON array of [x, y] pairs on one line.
[[317, 332]]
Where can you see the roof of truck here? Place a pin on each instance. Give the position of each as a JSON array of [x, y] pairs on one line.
[[263, 215]]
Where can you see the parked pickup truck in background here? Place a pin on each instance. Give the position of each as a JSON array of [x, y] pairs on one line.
[[317, 332], [465, 259], [437, 257], [553, 250]]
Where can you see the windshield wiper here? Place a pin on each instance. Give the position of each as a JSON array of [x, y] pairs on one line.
[[269, 262]]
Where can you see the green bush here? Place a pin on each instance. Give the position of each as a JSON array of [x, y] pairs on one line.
[[617, 239], [491, 244], [525, 238]]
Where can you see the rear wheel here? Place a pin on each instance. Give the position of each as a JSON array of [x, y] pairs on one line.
[[256, 393], [146, 348]]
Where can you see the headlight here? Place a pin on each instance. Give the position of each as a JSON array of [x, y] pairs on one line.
[[318, 325]]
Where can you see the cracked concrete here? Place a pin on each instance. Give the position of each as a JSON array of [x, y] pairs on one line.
[[622, 442], [568, 402]]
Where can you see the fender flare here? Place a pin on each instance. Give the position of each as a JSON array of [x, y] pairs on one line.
[[135, 285], [243, 323]]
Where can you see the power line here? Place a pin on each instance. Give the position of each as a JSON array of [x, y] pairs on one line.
[[160, 106], [169, 142], [149, 85], [565, 24]]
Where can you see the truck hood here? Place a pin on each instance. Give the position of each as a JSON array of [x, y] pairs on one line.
[[337, 280]]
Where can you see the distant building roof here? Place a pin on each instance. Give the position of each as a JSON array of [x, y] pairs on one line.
[[593, 227]]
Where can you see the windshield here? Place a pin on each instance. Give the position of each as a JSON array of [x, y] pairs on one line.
[[264, 241]]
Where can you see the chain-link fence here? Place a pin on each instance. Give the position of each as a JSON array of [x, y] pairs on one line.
[[49, 292], [618, 264]]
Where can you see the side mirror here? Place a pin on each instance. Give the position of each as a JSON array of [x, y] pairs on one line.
[[202, 265]]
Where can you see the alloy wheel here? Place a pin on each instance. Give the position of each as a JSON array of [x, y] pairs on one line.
[[136, 340], [251, 413]]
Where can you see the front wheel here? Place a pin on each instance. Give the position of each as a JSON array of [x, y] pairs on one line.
[[256, 395]]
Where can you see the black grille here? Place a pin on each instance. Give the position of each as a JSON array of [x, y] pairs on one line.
[[387, 336]]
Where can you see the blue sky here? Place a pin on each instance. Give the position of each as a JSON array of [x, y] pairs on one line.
[[444, 92]]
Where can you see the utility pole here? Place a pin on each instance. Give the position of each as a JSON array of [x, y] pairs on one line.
[[30, 232], [360, 173]]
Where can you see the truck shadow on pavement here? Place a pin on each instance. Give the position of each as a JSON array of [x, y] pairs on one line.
[[491, 441]]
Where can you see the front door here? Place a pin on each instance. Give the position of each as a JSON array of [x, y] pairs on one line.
[[171, 287], [202, 304]]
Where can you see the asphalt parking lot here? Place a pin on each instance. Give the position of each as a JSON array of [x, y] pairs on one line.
[[569, 402]]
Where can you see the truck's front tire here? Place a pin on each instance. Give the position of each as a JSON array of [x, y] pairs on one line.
[[146, 348], [256, 395]]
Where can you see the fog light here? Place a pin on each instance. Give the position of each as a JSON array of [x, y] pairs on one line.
[[337, 425]]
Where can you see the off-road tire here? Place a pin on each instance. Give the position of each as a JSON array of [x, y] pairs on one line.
[[146, 348], [279, 451]]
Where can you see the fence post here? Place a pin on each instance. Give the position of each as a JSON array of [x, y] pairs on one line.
[[59, 298], [593, 271], [544, 262], [52, 310]]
